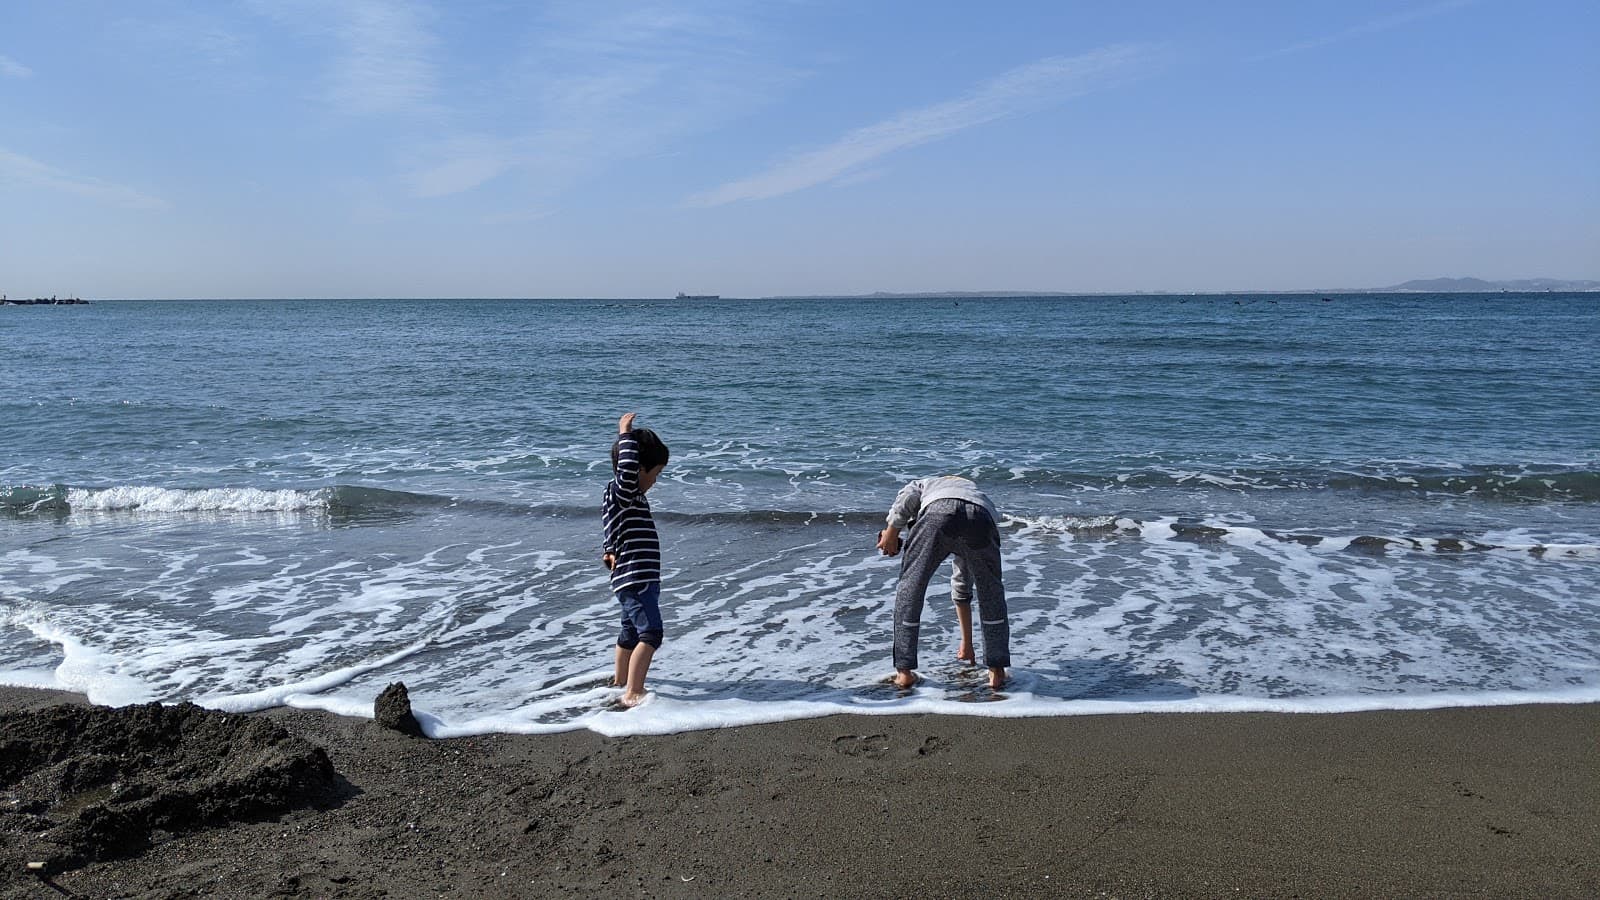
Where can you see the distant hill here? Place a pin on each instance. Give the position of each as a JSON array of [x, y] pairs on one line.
[[1469, 285]]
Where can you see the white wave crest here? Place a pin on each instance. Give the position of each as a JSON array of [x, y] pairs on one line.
[[1071, 523], [158, 499]]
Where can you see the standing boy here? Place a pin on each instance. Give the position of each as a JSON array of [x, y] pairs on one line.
[[632, 552], [948, 516]]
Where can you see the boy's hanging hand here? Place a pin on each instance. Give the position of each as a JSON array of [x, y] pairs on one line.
[[610, 559], [889, 541]]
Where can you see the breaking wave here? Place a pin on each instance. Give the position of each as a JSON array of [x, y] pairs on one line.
[[1502, 483], [356, 505]]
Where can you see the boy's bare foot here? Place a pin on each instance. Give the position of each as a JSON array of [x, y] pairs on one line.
[[997, 678], [631, 700], [905, 678], [964, 654]]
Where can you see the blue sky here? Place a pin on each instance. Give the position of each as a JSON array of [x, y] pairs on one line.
[[376, 148]]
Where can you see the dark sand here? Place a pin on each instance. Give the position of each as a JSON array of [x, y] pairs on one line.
[[1461, 802]]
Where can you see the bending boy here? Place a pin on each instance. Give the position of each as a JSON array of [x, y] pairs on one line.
[[948, 516]]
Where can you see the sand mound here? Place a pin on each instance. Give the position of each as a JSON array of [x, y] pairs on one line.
[[83, 783]]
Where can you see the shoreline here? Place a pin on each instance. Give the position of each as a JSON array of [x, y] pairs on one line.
[[1501, 801]]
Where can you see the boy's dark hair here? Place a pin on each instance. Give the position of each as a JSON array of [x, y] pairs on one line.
[[652, 452]]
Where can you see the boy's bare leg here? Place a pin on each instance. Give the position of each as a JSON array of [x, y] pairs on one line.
[[997, 677], [964, 616], [638, 667], [619, 678]]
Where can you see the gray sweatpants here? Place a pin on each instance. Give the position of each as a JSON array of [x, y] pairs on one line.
[[966, 530]]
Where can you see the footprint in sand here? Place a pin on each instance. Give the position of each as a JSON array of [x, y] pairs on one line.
[[868, 745]]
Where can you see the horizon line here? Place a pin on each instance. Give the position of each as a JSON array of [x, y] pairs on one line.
[[874, 295]]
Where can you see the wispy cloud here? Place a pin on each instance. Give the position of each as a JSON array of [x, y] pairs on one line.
[[583, 86], [385, 59], [515, 217], [184, 38], [21, 170], [461, 164], [598, 84], [1034, 86], [387, 65], [10, 68], [1383, 23]]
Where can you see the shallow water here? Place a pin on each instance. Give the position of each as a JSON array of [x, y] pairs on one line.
[[1211, 502]]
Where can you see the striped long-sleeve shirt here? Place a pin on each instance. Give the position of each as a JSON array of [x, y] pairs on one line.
[[630, 532]]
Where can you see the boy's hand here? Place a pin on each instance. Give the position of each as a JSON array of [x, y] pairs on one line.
[[610, 559], [625, 424], [889, 541]]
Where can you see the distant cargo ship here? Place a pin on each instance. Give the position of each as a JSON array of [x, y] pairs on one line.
[[683, 296]]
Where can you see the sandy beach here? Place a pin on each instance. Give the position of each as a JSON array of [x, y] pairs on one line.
[[1457, 802]]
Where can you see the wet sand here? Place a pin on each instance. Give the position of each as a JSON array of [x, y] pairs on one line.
[[1460, 802]]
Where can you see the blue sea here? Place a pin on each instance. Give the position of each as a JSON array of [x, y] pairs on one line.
[[1257, 502]]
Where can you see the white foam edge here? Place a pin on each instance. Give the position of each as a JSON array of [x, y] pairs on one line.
[[665, 714], [42, 679], [82, 670], [662, 714], [300, 694]]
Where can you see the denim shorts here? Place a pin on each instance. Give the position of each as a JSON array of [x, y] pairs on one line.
[[641, 616]]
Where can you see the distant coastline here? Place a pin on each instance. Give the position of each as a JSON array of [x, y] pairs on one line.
[[1415, 286], [1478, 285]]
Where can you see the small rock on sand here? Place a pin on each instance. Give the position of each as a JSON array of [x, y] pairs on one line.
[[393, 710]]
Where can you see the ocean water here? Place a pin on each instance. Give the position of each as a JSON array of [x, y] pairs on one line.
[[1210, 502]]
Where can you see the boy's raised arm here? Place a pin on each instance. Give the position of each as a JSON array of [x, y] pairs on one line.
[[627, 477]]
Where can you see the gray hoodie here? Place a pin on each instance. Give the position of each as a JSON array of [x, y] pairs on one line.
[[919, 493]]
